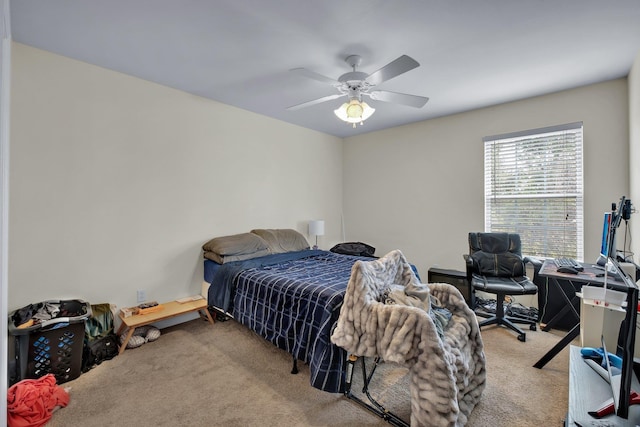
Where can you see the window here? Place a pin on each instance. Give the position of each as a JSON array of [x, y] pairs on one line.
[[533, 187]]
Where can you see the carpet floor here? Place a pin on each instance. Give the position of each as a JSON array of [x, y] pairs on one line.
[[196, 374]]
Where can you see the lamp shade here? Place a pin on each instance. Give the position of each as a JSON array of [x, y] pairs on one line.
[[354, 111], [316, 228]]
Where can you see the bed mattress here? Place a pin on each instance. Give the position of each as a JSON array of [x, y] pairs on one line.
[[292, 300]]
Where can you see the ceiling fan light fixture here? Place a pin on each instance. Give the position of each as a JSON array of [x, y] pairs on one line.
[[354, 109], [354, 112]]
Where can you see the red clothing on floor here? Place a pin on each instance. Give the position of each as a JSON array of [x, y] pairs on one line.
[[30, 403]]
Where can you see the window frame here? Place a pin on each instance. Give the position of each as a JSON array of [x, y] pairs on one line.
[[556, 192]]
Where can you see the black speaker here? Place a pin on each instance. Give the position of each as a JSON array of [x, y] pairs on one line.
[[452, 277]]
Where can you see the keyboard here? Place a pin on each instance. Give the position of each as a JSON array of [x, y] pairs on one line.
[[568, 262]]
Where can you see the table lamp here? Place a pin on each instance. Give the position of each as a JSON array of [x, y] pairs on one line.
[[316, 228]]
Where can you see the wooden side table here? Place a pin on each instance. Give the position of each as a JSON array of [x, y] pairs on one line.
[[169, 310]]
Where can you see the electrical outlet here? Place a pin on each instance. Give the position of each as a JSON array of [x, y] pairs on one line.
[[142, 295]]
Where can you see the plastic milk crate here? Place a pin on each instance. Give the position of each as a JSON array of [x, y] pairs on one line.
[[52, 346]]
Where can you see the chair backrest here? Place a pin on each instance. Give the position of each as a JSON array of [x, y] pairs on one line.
[[496, 254]]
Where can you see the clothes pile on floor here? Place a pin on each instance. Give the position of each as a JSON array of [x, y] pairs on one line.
[[32, 402]]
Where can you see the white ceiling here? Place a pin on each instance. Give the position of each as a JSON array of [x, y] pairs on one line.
[[473, 53]]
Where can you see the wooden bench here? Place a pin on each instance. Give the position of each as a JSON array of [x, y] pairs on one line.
[[169, 310]]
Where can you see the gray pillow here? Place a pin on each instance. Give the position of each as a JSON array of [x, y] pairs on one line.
[[236, 247], [282, 239]]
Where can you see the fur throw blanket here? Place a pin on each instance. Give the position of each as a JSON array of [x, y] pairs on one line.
[[447, 374]]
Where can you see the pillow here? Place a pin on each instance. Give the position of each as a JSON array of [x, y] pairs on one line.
[[237, 247], [282, 240]]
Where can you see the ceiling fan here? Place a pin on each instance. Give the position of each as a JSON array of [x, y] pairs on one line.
[[356, 84]]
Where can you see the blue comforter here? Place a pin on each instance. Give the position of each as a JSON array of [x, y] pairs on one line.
[[293, 300]]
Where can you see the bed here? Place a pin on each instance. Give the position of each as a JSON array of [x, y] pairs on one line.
[[271, 282]]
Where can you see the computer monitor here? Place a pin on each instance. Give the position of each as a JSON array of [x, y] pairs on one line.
[[605, 245], [610, 224]]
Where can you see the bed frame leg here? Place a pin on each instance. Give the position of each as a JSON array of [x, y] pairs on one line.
[[294, 369], [374, 406], [349, 375]]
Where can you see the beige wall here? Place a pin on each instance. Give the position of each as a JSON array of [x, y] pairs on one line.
[[117, 182], [634, 153], [419, 187]]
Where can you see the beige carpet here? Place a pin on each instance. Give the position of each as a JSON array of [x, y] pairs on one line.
[[224, 375]]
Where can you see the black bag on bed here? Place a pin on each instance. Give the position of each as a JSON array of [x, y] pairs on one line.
[[354, 248], [100, 340]]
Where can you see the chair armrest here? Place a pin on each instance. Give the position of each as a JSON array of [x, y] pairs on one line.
[[536, 262], [468, 260], [469, 265]]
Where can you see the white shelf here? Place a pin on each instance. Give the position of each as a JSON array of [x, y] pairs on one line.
[[588, 392]]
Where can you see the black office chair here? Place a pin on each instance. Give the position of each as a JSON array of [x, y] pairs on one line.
[[495, 265]]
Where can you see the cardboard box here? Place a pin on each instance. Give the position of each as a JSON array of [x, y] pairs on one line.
[[127, 312]]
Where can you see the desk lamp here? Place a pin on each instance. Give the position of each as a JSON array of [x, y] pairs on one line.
[[316, 228]]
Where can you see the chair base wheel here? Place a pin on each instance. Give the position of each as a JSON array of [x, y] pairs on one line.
[[509, 322]]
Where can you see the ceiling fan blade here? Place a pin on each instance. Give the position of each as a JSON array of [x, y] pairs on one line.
[[316, 101], [315, 76], [392, 69], [399, 98]]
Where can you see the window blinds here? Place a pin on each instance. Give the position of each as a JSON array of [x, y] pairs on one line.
[[534, 187]]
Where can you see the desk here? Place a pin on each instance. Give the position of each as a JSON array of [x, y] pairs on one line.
[[590, 276]]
